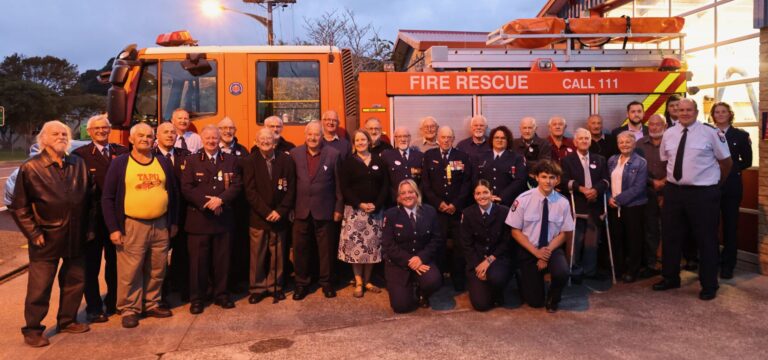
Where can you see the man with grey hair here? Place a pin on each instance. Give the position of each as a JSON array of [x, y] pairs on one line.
[[275, 123], [373, 128], [531, 146], [98, 156], [649, 147], [139, 203], [561, 146], [332, 136], [50, 203], [187, 139], [427, 134], [477, 143], [228, 142], [404, 161]]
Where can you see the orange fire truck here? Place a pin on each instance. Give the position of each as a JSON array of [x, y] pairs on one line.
[[298, 83]]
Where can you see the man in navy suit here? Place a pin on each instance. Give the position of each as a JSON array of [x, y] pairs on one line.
[[585, 175], [447, 186], [404, 161], [319, 204]]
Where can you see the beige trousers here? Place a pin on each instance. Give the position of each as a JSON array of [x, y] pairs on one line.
[[141, 263]]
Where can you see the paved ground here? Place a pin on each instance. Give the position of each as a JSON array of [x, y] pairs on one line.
[[626, 322]]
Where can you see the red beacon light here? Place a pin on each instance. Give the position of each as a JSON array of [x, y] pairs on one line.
[[176, 38], [670, 64]]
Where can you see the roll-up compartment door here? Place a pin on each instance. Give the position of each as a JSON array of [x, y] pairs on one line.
[[508, 110], [613, 109], [453, 111]]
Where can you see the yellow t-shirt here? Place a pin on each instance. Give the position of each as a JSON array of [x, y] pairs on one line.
[[145, 194]]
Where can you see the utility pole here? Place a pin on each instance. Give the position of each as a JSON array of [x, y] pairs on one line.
[[269, 4]]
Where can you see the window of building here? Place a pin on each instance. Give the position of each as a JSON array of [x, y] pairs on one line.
[[651, 8], [738, 60], [289, 89], [702, 64], [684, 6], [733, 20], [196, 94], [699, 29]]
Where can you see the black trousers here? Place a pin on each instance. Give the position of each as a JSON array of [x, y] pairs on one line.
[[39, 285], [453, 258], [730, 201], [404, 284], [93, 252], [208, 251], [483, 292], [628, 235], [652, 230], [177, 277], [532, 280], [312, 238], [690, 211]]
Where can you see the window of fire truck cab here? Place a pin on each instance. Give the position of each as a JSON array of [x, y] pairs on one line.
[[289, 89], [180, 89]]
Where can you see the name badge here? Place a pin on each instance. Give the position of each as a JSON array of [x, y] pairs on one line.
[[398, 225], [398, 163], [530, 149], [325, 167], [375, 167], [592, 166]]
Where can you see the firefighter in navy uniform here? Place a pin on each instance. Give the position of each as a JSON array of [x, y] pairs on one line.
[[403, 162], [741, 152], [503, 168], [447, 186], [210, 183]]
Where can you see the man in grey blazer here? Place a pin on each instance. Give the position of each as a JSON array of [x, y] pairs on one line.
[[319, 204]]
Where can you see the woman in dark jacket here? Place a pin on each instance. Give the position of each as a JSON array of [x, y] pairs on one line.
[[502, 168], [364, 185], [486, 240], [629, 173]]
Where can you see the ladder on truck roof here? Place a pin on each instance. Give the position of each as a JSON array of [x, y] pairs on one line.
[[567, 58]]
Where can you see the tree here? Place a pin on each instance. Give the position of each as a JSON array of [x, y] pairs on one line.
[[52, 72], [27, 106]]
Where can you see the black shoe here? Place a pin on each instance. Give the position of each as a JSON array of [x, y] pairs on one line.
[[158, 312], [424, 302], [708, 294], [225, 303], [665, 284], [691, 265], [329, 292], [96, 318], [163, 304], [196, 307], [279, 295], [300, 293], [110, 311], [598, 276], [36, 340], [551, 305], [648, 273], [130, 321], [726, 274], [256, 298], [628, 278], [576, 279]]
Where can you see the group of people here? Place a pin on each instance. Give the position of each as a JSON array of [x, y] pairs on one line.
[[198, 212]]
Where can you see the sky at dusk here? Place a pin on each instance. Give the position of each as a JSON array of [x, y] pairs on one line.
[[89, 32]]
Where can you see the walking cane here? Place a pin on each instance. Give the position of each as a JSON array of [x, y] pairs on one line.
[[274, 253], [573, 238], [608, 233]]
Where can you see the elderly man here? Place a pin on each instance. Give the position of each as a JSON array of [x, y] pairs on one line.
[[698, 162], [531, 146], [97, 156], [561, 145], [210, 183], [275, 123], [427, 134], [140, 202], [403, 162], [269, 179], [602, 143], [635, 114], [478, 142], [187, 139], [373, 127], [331, 135], [319, 204], [178, 268], [657, 172], [229, 144], [50, 203], [447, 186], [585, 176]]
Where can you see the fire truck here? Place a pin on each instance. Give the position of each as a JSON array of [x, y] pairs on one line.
[[504, 82]]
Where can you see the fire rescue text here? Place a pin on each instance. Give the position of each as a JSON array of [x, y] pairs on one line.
[[468, 82]]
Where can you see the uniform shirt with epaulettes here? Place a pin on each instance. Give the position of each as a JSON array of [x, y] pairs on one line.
[[206, 175], [402, 166], [484, 233], [401, 240], [740, 146], [526, 212], [704, 146], [505, 171], [447, 180]]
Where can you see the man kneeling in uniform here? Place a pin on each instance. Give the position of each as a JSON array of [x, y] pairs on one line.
[[541, 221]]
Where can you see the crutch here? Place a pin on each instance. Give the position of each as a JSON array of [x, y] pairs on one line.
[[573, 238], [274, 254], [608, 233]]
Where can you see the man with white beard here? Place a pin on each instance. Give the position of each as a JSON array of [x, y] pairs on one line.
[[657, 178]]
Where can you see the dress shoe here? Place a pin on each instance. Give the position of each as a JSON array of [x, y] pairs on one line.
[[628, 278], [225, 303], [576, 280], [279, 295], [708, 294], [196, 307], [36, 340], [648, 273], [75, 328], [110, 311], [551, 305], [158, 312], [163, 304], [300, 293], [256, 298], [666, 285], [130, 321], [96, 318], [691, 265], [329, 292], [424, 302], [726, 274]]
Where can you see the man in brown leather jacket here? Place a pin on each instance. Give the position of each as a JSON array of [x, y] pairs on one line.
[[50, 204]]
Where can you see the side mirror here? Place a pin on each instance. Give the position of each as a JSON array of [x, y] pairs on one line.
[[196, 64], [119, 74], [116, 107]]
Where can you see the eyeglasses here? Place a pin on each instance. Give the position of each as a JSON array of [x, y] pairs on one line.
[[100, 128]]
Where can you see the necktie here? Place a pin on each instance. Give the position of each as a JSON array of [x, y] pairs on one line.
[[544, 233], [269, 167], [445, 155], [677, 173], [496, 157], [213, 160], [169, 156], [485, 217], [183, 142], [105, 152], [413, 219], [405, 155], [587, 177]]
